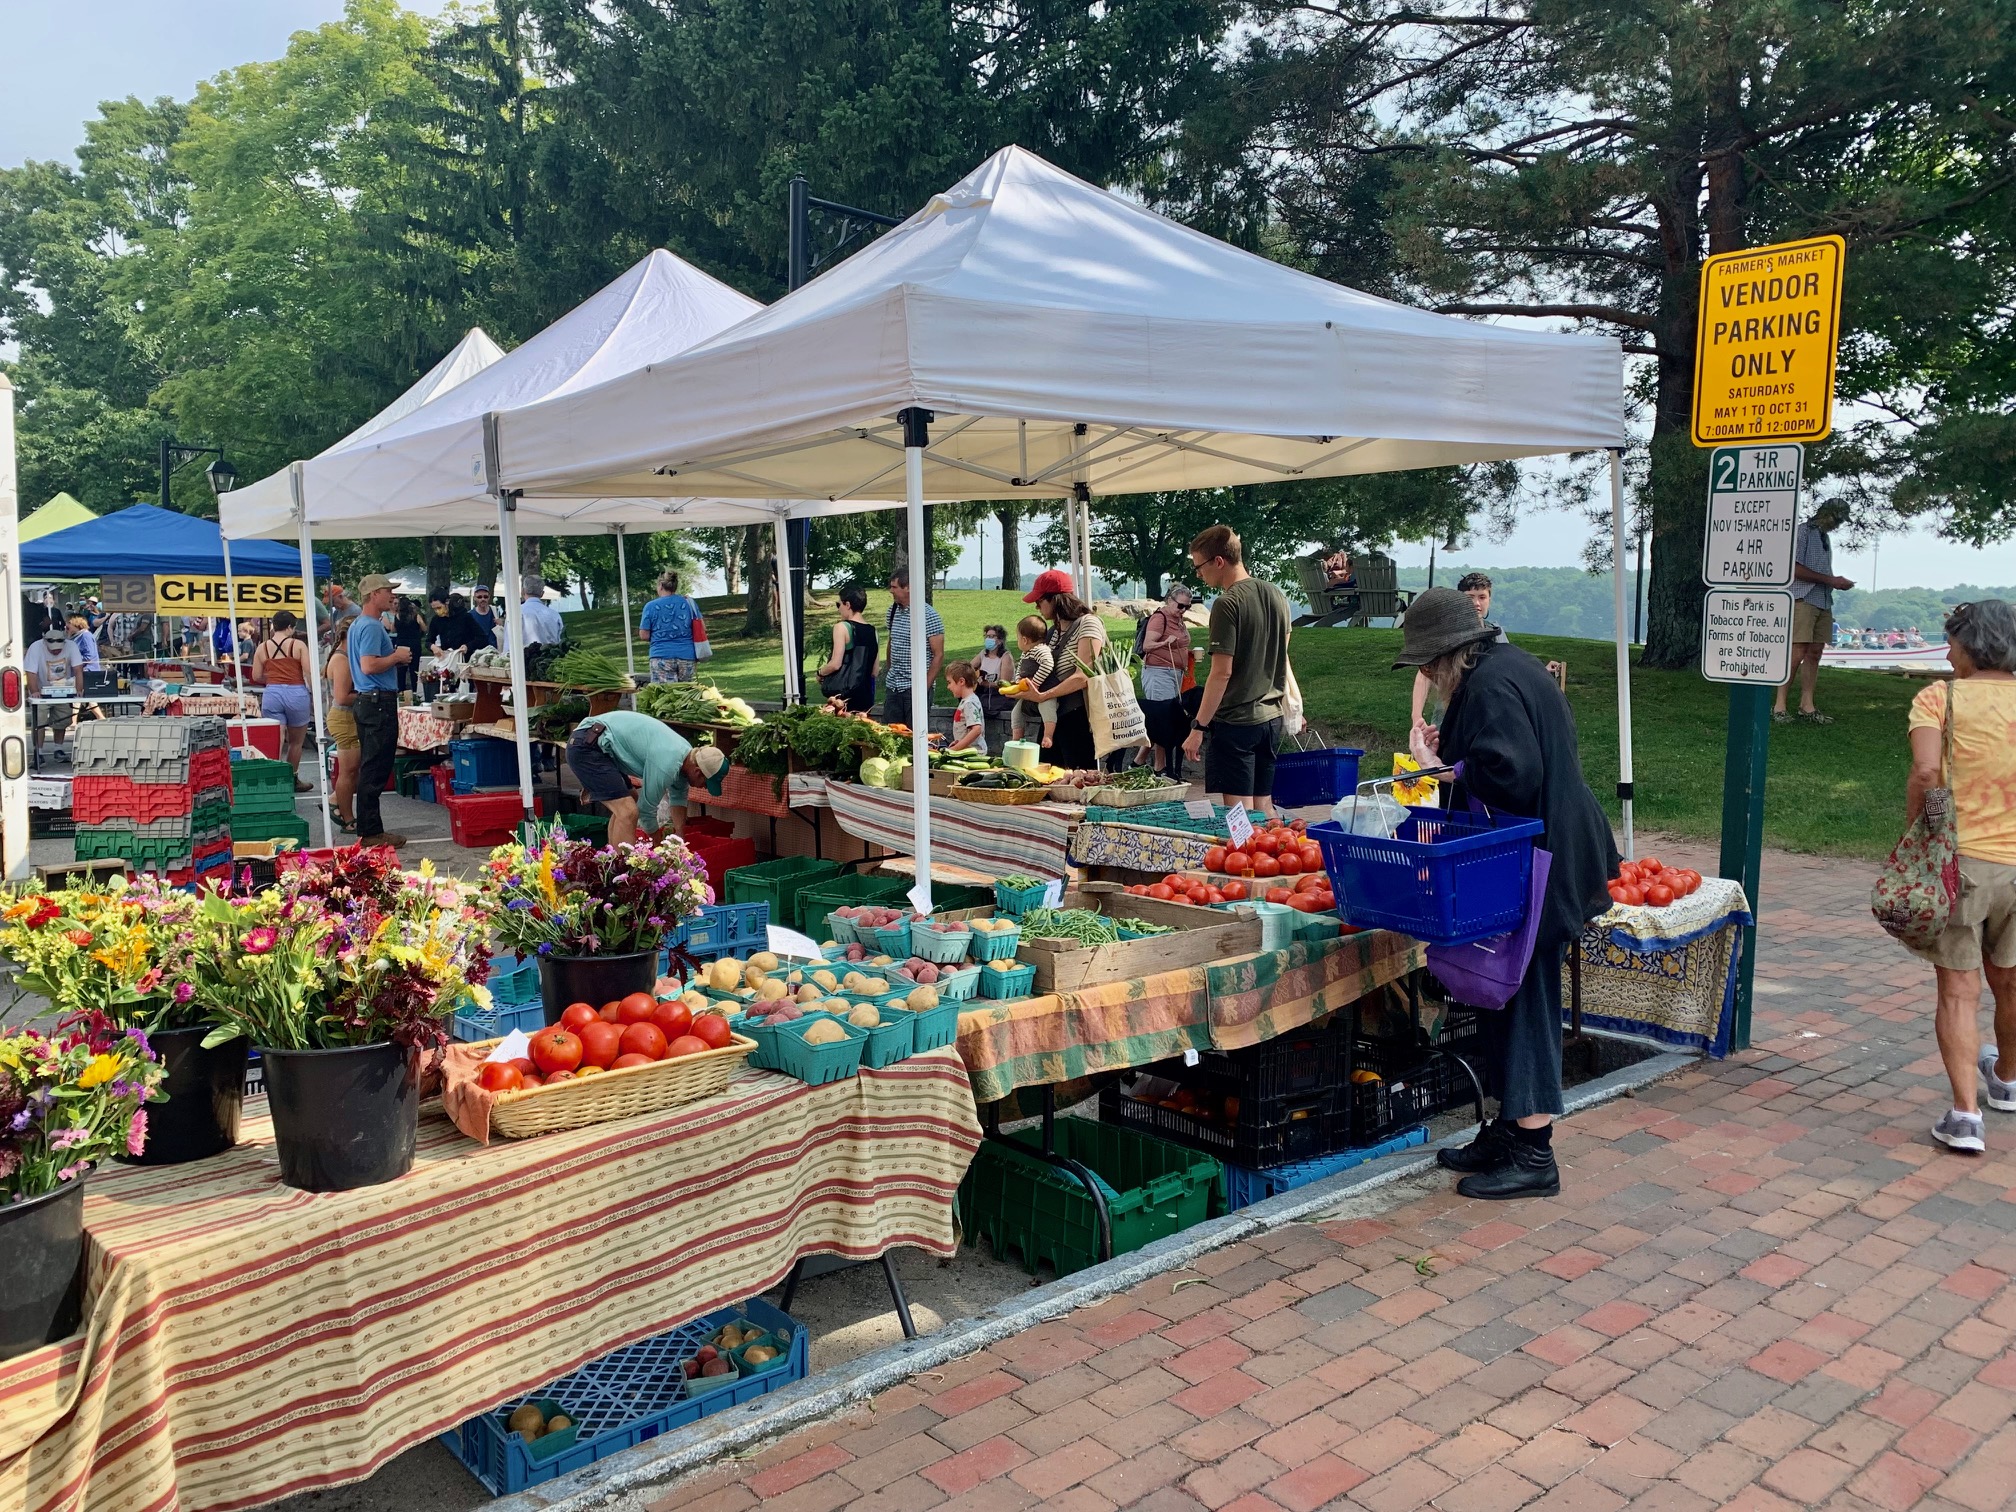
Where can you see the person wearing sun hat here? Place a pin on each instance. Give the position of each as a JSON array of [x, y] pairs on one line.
[[631, 763], [1509, 725]]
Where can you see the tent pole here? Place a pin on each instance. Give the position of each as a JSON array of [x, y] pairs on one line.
[[1624, 794], [521, 703], [314, 672], [237, 657], [787, 612], [917, 436], [629, 634]]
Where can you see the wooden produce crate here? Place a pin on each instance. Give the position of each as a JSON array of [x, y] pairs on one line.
[[941, 782], [1065, 967], [1113, 900]]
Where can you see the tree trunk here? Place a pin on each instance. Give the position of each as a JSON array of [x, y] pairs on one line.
[[440, 556], [486, 562], [758, 546], [731, 559], [1011, 546]]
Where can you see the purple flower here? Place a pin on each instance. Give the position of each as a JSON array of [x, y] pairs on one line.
[[546, 947], [136, 1132], [139, 1037], [20, 1121], [64, 1139], [184, 991]]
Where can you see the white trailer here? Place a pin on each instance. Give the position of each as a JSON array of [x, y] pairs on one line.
[[13, 702]]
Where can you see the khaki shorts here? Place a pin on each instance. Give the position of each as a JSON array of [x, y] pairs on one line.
[[343, 729], [1811, 625], [1983, 921]]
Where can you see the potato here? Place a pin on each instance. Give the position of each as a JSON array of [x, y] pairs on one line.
[[796, 979], [695, 1000], [725, 975], [764, 959], [882, 960], [759, 1354], [809, 994], [825, 1032], [922, 998], [559, 1421], [528, 1420], [898, 1003], [752, 974], [865, 1017], [825, 979], [770, 990]]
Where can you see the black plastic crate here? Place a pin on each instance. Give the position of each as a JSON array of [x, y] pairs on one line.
[[1305, 1128], [1395, 1084]]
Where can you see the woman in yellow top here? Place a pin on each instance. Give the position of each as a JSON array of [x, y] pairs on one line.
[[1981, 936]]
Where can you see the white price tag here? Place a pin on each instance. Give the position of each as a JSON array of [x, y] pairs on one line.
[[1197, 808], [514, 1046], [920, 895], [1053, 892], [1238, 826], [1189, 1057]]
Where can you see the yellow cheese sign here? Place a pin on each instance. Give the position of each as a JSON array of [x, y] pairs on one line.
[[256, 596], [1764, 351]]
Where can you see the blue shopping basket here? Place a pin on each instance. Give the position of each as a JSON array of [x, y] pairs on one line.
[[1444, 877]]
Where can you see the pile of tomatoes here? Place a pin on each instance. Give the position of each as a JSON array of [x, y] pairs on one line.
[[1309, 893], [1650, 884], [1279, 850], [633, 1031]]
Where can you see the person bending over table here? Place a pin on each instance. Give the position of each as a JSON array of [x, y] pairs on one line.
[[1509, 724], [630, 762], [52, 659]]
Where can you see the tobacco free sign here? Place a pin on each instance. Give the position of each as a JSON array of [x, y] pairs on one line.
[[1764, 347]]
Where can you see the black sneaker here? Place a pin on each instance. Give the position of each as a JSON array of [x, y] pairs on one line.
[[1530, 1172], [1491, 1149]]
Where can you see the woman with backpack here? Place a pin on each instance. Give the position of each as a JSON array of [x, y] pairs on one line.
[[668, 625], [848, 675]]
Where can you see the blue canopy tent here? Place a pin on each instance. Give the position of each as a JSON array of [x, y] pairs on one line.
[[145, 541]]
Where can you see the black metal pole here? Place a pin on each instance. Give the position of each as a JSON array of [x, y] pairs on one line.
[[1638, 605], [797, 533], [167, 443], [799, 236]]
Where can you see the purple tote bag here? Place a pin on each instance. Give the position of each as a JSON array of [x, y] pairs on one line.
[[1486, 973]]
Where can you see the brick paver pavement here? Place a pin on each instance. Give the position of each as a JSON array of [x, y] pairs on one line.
[[1762, 1287]]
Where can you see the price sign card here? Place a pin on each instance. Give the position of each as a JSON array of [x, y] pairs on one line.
[[1238, 826]]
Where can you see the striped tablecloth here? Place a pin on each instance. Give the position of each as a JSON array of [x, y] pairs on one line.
[[1064, 1037], [247, 1341], [998, 841]]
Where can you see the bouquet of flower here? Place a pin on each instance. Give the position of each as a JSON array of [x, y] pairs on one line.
[[122, 949], [69, 1101], [354, 955], [571, 897]]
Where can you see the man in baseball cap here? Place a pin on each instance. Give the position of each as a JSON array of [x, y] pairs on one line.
[[631, 763]]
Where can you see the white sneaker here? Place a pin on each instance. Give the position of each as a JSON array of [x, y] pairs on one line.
[[2001, 1095], [1961, 1131]]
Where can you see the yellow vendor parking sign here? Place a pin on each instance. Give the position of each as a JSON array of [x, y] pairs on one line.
[[1764, 351]]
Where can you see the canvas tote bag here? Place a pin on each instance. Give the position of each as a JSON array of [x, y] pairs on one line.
[[1919, 883]]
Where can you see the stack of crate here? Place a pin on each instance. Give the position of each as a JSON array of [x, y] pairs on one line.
[[155, 793], [262, 802]]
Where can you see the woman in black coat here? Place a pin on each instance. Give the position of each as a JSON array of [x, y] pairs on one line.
[[1507, 722]]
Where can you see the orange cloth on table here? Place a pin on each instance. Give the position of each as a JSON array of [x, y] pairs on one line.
[[467, 1104]]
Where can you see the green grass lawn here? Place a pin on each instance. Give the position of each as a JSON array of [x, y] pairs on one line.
[[1835, 789]]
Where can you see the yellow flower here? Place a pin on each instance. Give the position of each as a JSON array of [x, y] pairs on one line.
[[101, 1070]]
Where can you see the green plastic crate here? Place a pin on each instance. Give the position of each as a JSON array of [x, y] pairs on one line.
[[593, 827], [262, 826], [844, 891], [1021, 1202], [261, 787], [777, 883], [1317, 927]]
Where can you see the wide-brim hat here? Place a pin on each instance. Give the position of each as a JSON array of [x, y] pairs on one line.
[[1438, 622]]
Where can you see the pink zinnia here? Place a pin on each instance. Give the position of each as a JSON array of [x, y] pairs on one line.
[[261, 940], [136, 1132]]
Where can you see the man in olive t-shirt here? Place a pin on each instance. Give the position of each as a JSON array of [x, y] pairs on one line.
[[1248, 682]]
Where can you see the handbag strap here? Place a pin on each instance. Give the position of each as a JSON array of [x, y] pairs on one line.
[[1946, 733]]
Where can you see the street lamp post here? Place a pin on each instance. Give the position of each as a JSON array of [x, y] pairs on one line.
[[177, 454]]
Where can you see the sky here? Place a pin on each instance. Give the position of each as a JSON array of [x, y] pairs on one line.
[[67, 55]]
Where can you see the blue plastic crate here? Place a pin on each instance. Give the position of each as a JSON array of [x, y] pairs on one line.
[[623, 1399], [482, 762], [514, 979], [423, 788], [729, 927], [471, 1024], [1446, 878], [1244, 1188], [1303, 778]]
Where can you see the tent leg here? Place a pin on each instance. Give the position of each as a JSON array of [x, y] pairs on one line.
[[514, 610], [787, 612], [629, 633], [237, 656], [917, 436], [315, 676], [1624, 794]]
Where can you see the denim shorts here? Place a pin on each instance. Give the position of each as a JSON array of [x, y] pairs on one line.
[[288, 703]]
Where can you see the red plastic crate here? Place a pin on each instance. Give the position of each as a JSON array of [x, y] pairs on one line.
[[720, 856], [702, 825], [211, 768], [444, 779], [482, 820], [95, 800]]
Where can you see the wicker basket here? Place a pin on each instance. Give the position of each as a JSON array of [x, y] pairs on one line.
[[628, 1093], [1002, 797]]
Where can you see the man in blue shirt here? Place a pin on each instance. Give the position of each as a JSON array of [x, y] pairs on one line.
[[374, 673], [668, 625], [896, 666]]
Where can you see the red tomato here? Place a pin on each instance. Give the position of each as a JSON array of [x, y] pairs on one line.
[[534, 1080], [1235, 891], [559, 1076], [1266, 843], [576, 1015], [1173, 880], [612, 1013], [1312, 858], [643, 1039], [1616, 892], [1266, 866], [1632, 894], [524, 1065], [600, 1044], [1161, 890], [1692, 878], [1279, 894], [625, 1062], [1199, 895], [687, 1044], [1303, 902], [673, 1019], [554, 1049], [1325, 900], [1658, 895], [1291, 864], [1650, 864], [1312, 882], [499, 1076], [637, 1008], [1214, 858], [1212, 896], [712, 1030], [1298, 825], [1238, 862]]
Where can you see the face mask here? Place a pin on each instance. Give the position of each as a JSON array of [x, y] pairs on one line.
[[993, 643]]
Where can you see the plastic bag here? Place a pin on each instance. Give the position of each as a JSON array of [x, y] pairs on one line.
[[1375, 814]]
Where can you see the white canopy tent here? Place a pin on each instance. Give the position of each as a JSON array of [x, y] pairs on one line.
[[428, 470], [1027, 334]]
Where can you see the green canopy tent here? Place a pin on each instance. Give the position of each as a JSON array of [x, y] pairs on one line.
[[60, 513]]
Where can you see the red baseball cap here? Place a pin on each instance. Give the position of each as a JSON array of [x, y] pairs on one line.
[[1047, 583]]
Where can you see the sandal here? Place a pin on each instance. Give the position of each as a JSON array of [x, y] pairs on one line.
[[1779, 716], [1816, 717]]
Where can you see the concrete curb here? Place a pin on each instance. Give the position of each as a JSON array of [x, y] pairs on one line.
[[712, 1439]]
